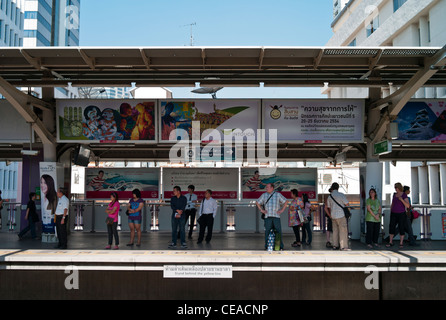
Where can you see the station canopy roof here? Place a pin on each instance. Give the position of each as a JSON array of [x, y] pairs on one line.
[[367, 67], [214, 66]]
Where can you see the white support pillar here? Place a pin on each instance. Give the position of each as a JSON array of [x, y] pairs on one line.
[[414, 188], [443, 183], [423, 184], [434, 184]]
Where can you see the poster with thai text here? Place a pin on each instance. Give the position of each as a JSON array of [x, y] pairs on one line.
[[315, 121]]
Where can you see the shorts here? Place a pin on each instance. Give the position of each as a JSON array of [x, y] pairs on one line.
[[135, 221]]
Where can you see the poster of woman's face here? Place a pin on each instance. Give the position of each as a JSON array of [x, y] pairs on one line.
[[49, 202]]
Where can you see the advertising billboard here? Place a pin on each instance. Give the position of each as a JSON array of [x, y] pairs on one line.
[[110, 121]]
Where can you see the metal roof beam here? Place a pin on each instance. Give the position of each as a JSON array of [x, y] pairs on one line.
[[88, 60], [22, 103], [398, 99]]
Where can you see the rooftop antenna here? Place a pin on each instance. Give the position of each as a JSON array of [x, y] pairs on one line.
[[191, 32]]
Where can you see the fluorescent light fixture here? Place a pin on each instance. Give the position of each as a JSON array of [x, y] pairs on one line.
[[29, 152]]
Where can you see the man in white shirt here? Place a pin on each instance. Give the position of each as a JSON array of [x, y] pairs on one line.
[[206, 215], [61, 218], [336, 212]]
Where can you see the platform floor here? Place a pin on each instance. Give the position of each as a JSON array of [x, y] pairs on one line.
[[306, 272], [159, 240]]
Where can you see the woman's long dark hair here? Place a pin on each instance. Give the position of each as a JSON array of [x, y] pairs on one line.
[[51, 194], [305, 198], [115, 196]]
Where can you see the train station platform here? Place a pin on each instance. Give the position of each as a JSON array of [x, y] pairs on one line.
[[232, 267]]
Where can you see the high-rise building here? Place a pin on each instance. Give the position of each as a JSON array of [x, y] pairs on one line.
[[51, 23], [11, 22]]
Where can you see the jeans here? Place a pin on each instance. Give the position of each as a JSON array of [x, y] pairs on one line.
[[31, 227], [306, 229], [113, 231], [178, 223], [271, 223]]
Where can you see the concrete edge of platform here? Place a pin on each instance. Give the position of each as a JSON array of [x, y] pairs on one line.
[[241, 261]]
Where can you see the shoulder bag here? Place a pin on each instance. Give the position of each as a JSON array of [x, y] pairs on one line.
[[346, 210], [263, 206]]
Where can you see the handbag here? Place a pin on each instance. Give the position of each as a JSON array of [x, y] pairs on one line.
[[347, 212], [301, 214], [263, 206], [109, 221]]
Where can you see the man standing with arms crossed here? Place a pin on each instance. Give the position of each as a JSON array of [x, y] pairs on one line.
[[272, 204]]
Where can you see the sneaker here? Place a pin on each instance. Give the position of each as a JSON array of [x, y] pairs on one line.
[[172, 246], [183, 246], [108, 247], [115, 247]]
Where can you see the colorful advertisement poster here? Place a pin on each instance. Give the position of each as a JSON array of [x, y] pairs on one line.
[[222, 181], [285, 179], [48, 195], [315, 121], [101, 182], [215, 114], [443, 223], [422, 121], [86, 121]]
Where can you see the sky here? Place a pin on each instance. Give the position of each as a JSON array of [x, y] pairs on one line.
[[144, 23]]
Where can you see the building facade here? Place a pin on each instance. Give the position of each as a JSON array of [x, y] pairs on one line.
[[12, 14], [396, 23]]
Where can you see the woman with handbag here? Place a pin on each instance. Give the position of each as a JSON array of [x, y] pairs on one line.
[[295, 220], [112, 221], [398, 214]]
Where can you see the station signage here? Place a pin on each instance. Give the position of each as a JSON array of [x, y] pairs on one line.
[[383, 147]]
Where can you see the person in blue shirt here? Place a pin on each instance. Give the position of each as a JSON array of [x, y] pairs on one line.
[[136, 204]]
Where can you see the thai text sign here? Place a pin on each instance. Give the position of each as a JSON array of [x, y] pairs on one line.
[[315, 121]]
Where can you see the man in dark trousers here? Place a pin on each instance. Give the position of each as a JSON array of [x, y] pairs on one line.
[[190, 208], [178, 204], [61, 218], [206, 215]]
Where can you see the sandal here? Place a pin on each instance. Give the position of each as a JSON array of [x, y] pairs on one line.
[[390, 244]]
